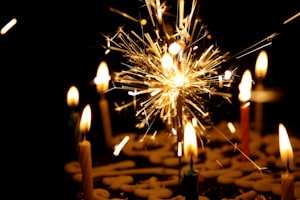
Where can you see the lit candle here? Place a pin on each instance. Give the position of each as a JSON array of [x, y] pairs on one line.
[[85, 158], [102, 82], [190, 150], [261, 67], [72, 102], [244, 97], [73, 121], [286, 153]]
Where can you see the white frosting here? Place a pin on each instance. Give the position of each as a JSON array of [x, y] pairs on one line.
[[160, 150]]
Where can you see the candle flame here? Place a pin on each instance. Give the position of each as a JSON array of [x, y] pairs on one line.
[[73, 97], [190, 140], [261, 65], [102, 78], [245, 86], [286, 151], [85, 122]]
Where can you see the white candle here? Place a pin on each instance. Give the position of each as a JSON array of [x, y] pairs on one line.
[[85, 157], [244, 97], [261, 67], [102, 82], [286, 153], [181, 13]]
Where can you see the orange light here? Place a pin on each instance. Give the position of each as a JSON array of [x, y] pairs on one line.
[[73, 97], [261, 65], [190, 141], [245, 86], [102, 78], [286, 151], [85, 122]]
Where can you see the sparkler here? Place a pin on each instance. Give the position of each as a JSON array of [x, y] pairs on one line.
[[172, 75], [173, 69]]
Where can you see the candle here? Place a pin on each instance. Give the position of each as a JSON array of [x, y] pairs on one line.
[[190, 179], [85, 158], [286, 154], [72, 102], [181, 13], [73, 121], [102, 80], [261, 67], [244, 97]]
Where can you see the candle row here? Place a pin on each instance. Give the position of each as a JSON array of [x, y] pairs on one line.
[[102, 82]]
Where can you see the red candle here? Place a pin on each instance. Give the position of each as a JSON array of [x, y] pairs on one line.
[[244, 97], [245, 128]]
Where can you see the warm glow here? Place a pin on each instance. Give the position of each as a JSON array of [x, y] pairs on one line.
[[231, 127], [73, 97], [179, 149], [143, 22], [286, 151], [102, 78], [120, 146], [190, 147], [227, 75], [174, 48], [245, 86], [261, 65], [179, 79], [220, 81], [85, 122], [8, 26], [167, 61]]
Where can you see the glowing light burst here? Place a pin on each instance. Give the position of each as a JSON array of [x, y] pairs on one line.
[[163, 79]]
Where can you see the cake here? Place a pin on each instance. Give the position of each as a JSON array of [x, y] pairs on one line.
[[148, 167]]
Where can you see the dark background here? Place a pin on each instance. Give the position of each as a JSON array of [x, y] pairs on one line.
[[56, 44]]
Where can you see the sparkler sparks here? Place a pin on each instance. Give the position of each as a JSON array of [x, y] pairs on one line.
[[170, 73]]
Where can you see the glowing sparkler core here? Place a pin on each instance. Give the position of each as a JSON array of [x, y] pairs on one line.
[[167, 64]]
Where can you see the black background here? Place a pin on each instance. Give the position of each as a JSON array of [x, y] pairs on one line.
[[57, 43]]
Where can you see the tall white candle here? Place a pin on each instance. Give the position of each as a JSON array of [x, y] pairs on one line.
[[181, 13], [261, 67], [286, 153], [102, 82], [85, 157]]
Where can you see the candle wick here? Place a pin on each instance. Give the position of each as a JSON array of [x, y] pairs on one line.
[[191, 162], [288, 164], [102, 95]]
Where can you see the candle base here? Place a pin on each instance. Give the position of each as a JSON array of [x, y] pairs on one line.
[[287, 186], [190, 184]]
